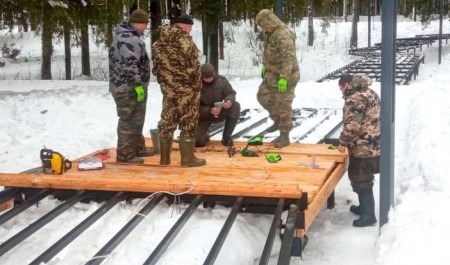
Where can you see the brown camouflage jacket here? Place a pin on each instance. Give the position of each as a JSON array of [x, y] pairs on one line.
[[280, 58], [175, 62], [361, 119]]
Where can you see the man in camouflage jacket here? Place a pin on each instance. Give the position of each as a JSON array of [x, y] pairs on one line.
[[361, 136], [177, 69], [280, 73], [129, 76]]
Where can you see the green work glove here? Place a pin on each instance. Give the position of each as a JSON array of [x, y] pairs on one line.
[[255, 140], [282, 85], [263, 71], [140, 93], [273, 157]]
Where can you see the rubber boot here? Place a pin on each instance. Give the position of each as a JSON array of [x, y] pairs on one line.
[[230, 124], [283, 140], [356, 209], [134, 160], [367, 207], [155, 139], [202, 137], [187, 147], [165, 147]]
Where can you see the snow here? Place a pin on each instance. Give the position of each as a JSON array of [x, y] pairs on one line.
[[78, 117]]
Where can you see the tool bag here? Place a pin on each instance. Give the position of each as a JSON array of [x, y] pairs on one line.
[[54, 162]]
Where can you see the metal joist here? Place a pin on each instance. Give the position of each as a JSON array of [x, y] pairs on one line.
[[32, 228], [173, 232], [75, 232]]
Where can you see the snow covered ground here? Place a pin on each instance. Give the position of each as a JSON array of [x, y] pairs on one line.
[[78, 117]]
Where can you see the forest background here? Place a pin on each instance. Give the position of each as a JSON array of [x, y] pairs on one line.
[[73, 21]]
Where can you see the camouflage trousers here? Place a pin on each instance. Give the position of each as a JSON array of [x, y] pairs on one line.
[[129, 128], [278, 105], [181, 112], [361, 172]]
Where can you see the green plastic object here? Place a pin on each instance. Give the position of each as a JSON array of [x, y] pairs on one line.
[[273, 157], [255, 140], [247, 152]]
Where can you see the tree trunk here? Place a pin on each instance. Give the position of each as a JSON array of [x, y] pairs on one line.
[[310, 23], [47, 46], [85, 62], [345, 10], [354, 37], [221, 42], [67, 53], [155, 17]]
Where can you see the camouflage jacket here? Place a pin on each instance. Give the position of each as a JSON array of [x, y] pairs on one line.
[[175, 62], [129, 64], [218, 90], [361, 119], [279, 58]]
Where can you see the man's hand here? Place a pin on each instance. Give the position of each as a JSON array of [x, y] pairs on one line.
[[341, 148], [140, 93], [227, 104], [263, 71], [215, 111], [282, 85]]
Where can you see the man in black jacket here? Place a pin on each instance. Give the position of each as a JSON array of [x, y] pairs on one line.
[[217, 103]]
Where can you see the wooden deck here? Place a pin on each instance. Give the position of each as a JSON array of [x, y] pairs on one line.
[[290, 178]]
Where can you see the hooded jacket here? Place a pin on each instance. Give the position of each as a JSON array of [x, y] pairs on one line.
[[129, 64], [217, 91], [279, 56], [175, 62], [361, 118]]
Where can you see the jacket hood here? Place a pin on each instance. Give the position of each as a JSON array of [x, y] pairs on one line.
[[267, 20], [358, 82], [171, 33]]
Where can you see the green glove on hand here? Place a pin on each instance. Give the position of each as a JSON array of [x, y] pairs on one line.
[[140, 93], [263, 71], [282, 85], [273, 157]]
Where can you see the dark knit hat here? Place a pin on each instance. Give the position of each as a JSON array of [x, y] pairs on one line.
[[207, 70], [138, 16], [184, 19]]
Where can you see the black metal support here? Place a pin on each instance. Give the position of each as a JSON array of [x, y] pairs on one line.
[[29, 230], [23, 206], [289, 232], [388, 36], [211, 258], [124, 232], [69, 237], [264, 260], [164, 244], [330, 201], [8, 194]]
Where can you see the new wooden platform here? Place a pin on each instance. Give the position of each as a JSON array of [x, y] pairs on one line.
[[290, 178]]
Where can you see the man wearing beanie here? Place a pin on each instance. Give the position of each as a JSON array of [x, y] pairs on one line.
[[129, 76], [217, 103], [177, 69]]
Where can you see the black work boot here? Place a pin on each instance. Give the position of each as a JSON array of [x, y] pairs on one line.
[[228, 130], [187, 147], [356, 209], [274, 127], [165, 147], [146, 152], [134, 160], [283, 140], [367, 207]]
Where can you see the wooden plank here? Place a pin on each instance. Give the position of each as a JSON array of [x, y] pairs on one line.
[[321, 198]]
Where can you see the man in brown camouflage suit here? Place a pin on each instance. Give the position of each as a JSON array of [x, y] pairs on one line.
[[280, 73], [177, 69], [129, 76], [361, 136]]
